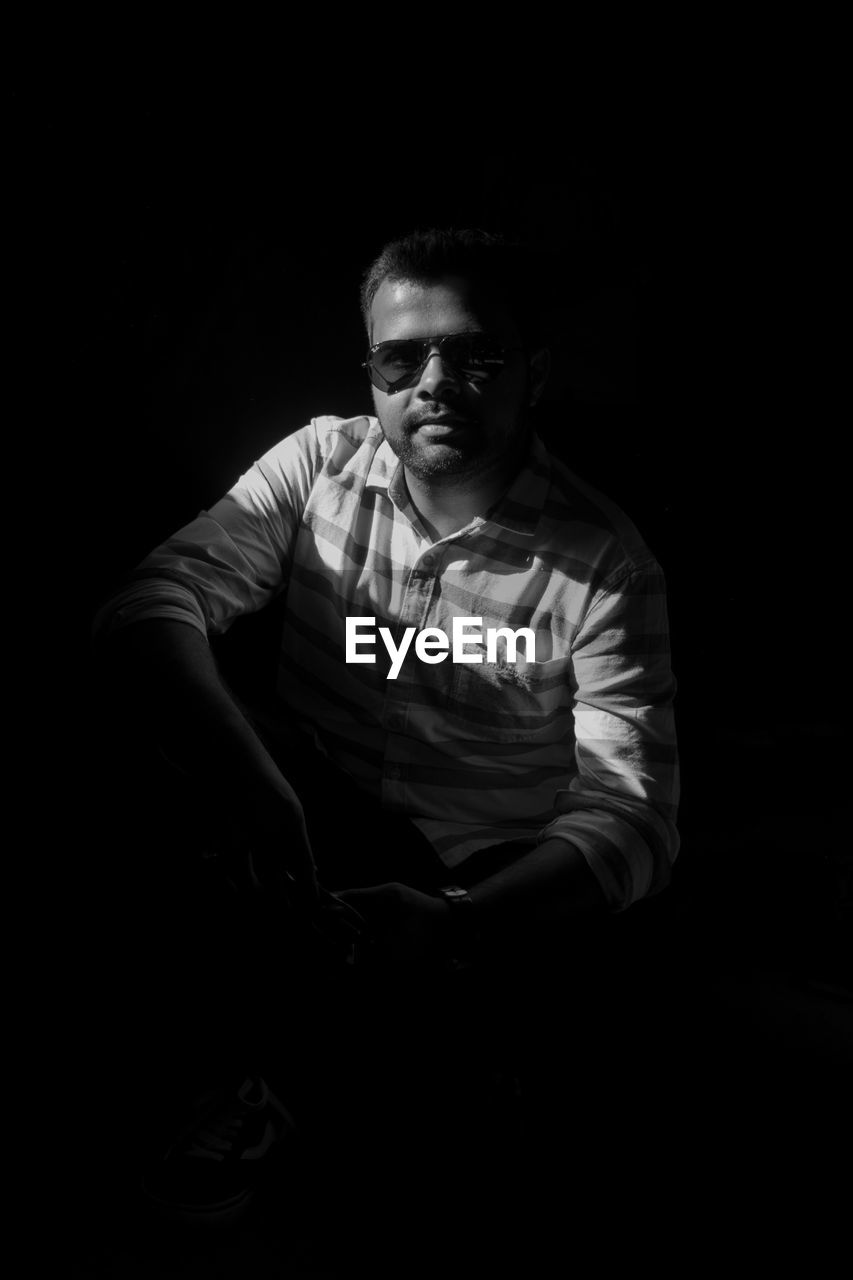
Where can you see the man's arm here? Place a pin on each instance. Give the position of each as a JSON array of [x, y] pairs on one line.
[[613, 837], [543, 887], [165, 673], [546, 885], [619, 807], [152, 635]]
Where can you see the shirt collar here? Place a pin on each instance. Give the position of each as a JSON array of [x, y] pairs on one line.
[[522, 504]]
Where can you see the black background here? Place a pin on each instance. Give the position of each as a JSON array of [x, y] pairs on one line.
[[189, 251], [187, 258], [213, 248]]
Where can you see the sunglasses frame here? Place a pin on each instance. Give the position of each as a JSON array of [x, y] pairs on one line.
[[426, 344]]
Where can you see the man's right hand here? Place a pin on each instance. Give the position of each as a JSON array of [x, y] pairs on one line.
[[271, 854], [166, 672], [268, 847]]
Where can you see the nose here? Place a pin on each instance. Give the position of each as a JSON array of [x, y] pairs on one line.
[[437, 377]]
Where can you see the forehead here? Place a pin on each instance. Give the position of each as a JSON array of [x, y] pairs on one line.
[[407, 309]]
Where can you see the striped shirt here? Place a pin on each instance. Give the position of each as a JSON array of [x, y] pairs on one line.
[[578, 743]]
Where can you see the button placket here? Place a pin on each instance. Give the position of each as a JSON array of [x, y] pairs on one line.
[[416, 605]]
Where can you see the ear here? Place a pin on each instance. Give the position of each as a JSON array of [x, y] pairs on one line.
[[540, 367]]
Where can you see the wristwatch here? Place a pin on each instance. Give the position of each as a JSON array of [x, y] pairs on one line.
[[464, 934]]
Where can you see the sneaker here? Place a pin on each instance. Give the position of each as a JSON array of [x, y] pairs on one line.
[[209, 1174]]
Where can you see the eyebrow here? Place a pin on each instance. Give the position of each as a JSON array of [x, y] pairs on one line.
[[437, 337]]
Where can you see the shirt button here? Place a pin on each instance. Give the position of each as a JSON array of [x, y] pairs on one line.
[[428, 562], [393, 773]]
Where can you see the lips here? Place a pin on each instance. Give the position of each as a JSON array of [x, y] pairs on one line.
[[445, 422], [439, 432]]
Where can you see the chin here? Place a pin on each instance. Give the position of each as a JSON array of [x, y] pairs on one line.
[[442, 460]]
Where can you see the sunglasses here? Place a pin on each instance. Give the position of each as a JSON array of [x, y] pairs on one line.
[[393, 366]]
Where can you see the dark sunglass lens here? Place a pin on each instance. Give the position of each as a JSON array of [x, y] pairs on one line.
[[397, 360], [474, 356]]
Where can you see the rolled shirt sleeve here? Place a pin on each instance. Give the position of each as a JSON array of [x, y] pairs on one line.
[[619, 808], [230, 560], [603, 598]]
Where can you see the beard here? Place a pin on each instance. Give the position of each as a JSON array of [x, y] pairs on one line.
[[472, 452], [432, 461]]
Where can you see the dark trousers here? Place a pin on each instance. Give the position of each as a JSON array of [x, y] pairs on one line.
[[190, 981]]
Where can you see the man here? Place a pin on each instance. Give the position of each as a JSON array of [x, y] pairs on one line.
[[474, 643]]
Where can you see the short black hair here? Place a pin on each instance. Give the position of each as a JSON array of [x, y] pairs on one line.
[[426, 256]]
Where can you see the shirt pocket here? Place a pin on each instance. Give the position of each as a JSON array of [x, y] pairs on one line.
[[508, 702]]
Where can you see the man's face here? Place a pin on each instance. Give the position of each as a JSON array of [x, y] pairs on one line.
[[445, 424]]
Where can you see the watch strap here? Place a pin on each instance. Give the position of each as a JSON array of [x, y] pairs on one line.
[[463, 924]]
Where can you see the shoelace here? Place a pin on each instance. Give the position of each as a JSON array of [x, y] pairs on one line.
[[217, 1137]]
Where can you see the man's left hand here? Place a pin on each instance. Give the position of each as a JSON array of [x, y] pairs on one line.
[[409, 928]]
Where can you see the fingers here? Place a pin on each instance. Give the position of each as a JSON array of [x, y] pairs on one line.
[[337, 905], [286, 865], [376, 897], [341, 918]]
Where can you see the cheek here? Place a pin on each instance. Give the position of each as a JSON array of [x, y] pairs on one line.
[[388, 411], [380, 405], [506, 403]]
